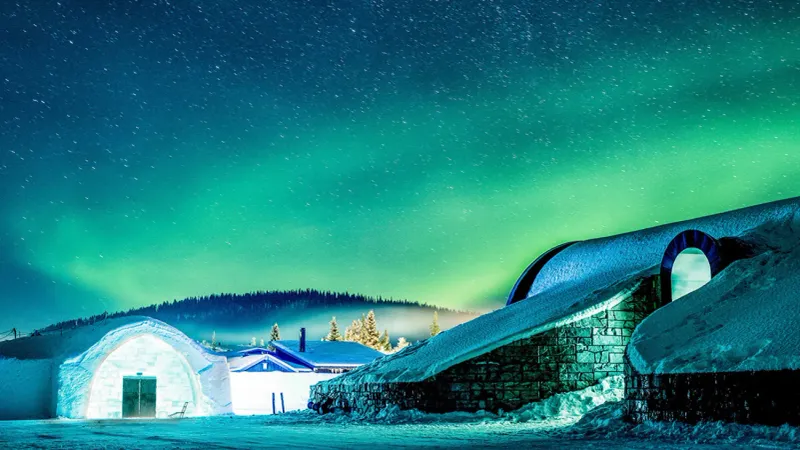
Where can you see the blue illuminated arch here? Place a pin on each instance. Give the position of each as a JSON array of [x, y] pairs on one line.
[[525, 281], [710, 247]]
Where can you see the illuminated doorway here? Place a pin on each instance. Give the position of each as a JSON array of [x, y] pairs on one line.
[[690, 272]]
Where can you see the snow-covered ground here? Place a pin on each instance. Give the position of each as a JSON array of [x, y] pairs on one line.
[[561, 421]]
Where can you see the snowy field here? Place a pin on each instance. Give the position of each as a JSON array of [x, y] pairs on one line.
[[303, 430], [584, 419]]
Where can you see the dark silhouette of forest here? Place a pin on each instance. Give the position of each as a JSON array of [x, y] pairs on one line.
[[233, 307]]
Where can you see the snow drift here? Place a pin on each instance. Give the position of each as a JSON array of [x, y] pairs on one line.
[[744, 319], [562, 408]]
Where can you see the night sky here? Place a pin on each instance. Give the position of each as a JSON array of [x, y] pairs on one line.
[[416, 149]]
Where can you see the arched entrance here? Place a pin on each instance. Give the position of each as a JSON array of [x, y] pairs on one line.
[[690, 261]]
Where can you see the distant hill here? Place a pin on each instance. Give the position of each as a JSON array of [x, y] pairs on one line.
[[237, 318]]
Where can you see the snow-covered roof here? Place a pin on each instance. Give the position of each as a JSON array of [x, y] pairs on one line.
[[242, 363], [579, 281], [295, 366], [243, 351], [75, 341], [601, 262], [329, 353], [239, 363]]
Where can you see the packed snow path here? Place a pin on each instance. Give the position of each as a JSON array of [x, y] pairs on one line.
[[590, 418], [302, 431]]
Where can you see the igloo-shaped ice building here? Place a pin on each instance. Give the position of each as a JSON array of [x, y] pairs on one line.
[[81, 373]]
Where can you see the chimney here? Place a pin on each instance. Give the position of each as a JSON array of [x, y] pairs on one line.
[[302, 339]]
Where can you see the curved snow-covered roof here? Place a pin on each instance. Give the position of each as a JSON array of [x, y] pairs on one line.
[[598, 263], [525, 281], [579, 281], [76, 341], [743, 319]]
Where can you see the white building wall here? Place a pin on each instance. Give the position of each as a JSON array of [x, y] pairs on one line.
[[251, 392]]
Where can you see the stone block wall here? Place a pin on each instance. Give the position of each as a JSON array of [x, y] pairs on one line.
[[567, 358], [765, 397]]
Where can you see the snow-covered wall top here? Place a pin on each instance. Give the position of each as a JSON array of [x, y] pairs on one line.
[[744, 319], [580, 281]]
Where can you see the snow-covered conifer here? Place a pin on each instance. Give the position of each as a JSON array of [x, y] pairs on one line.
[[275, 334], [371, 335], [333, 334], [435, 329], [385, 342], [348, 334], [401, 344], [362, 329]]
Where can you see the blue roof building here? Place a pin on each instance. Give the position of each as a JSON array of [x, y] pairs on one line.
[[326, 356], [317, 356]]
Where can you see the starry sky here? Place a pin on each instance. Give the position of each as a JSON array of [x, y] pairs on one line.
[[417, 149]]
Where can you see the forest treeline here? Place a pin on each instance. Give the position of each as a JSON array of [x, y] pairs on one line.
[[222, 307]]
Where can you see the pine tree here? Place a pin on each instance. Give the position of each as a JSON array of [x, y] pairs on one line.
[[348, 334], [362, 330], [435, 325], [334, 335], [213, 339], [253, 341], [385, 343], [353, 332], [262, 342], [275, 334], [371, 333], [401, 344]]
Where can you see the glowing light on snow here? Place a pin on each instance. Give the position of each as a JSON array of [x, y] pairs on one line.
[[147, 355], [690, 272]]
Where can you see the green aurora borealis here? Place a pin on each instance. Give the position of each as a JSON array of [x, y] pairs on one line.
[[429, 155]]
